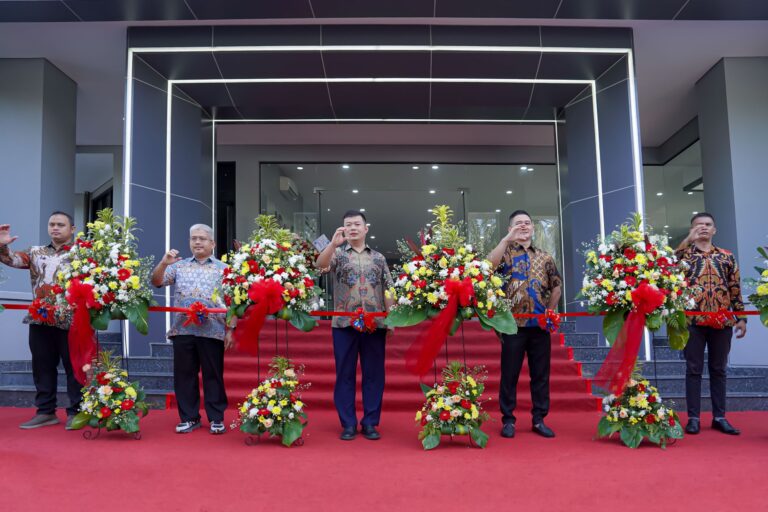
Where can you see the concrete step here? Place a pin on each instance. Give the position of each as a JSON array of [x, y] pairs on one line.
[[149, 380], [596, 353], [24, 396]]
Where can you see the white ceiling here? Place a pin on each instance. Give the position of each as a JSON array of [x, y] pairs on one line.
[[671, 57]]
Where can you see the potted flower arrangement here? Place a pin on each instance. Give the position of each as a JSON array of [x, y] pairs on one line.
[[759, 299]]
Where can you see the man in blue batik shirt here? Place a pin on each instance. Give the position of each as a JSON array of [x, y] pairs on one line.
[[202, 346], [532, 287]]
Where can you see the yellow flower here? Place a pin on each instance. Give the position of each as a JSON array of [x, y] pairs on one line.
[[762, 289], [482, 284], [287, 245], [496, 281], [418, 416], [112, 285], [134, 281], [471, 381], [592, 257], [276, 411], [480, 305], [467, 416], [443, 262], [607, 284], [129, 391], [98, 245], [406, 269], [641, 259], [764, 273], [299, 404], [244, 268], [224, 258], [432, 298], [426, 250], [76, 264], [628, 295]]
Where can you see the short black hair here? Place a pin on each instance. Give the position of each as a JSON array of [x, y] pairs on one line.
[[701, 215], [353, 213], [68, 216], [519, 212]]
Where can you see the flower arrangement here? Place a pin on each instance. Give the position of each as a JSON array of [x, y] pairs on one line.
[[759, 299], [633, 270], [275, 407], [639, 413], [110, 400], [271, 274], [454, 407], [442, 267], [103, 272]]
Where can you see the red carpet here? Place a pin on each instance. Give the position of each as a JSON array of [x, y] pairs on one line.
[[52, 469], [569, 391]]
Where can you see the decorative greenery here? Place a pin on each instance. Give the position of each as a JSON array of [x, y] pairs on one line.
[[110, 400], [275, 407], [759, 299], [627, 260], [639, 413]]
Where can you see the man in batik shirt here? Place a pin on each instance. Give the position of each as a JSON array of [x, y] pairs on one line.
[[197, 347], [48, 340], [360, 278], [533, 287], [714, 275]]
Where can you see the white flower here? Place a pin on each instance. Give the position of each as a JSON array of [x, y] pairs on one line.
[[455, 413], [253, 412], [290, 373], [105, 390], [290, 416], [268, 422], [623, 413]]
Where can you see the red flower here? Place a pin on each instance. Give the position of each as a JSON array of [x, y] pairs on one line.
[[466, 404], [309, 283], [240, 279], [491, 313], [611, 299], [106, 412], [630, 253], [453, 387], [449, 251], [648, 246], [641, 387], [632, 269], [116, 389], [58, 290], [630, 280], [650, 418], [102, 379], [227, 300], [253, 267], [127, 404], [671, 421], [292, 397], [227, 271], [123, 274], [652, 399], [108, 298], [263, 412], [606, 257], [66, 247], [445, 415], [423, 421]]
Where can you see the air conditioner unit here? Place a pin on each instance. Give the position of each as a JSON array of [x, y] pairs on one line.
[[288, 188]]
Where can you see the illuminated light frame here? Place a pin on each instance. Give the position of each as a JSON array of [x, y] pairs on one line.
[[637, 168]]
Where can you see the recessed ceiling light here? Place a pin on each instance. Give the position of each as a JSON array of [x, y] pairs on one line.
[[368, 224], [694, 213], [498, 211], [690, 193], [431, 191], [482, 238], [355, 191], [362, 209], [329, 209], [659, 194], [509, 192], [415, 167], [373, 237], [489, 225], [435, 167], [523, 168], [299, 168], [429, 210], [345, 166], [530, 169], [666, 226], [429, 223]]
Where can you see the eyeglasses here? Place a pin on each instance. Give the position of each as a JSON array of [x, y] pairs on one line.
[[199, 239]]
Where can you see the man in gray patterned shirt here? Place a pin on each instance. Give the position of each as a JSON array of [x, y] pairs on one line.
[[196, 347]]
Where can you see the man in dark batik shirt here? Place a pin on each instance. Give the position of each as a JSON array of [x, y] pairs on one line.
[[714, 275], [360, 278], [533, 287]]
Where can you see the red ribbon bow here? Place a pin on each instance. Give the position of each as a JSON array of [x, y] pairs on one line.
[[82, 348], [620, 361], [267, 297], [422, 352], [196, 314], [42, 312], [549, 321], [364, 321]]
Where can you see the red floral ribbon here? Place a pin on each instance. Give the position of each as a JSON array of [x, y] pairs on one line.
[[549, 321], [197, 313], [364, 321], [267, 297], [620, 361], [717, 319], [422, 352], [43, 312], [82, 346]]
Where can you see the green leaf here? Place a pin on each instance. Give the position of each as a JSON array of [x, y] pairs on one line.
[[502, 322], [455, 325], [678, 338], [249, 427], [763, 252], [764, 316], [655, 437], [405, 317], [80, 420], [2, 308], [302, 321], [137, 314], [631, 437], [653, 322], [130, 423], [100, 319], [605, 427], [612, 324], [292, 431], [479, 437], [431, 441], [425, 389]]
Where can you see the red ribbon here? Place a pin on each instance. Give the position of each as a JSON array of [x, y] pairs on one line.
[[549, 321], [82, 347], [197, 313], [620, 361], [717, 319], [364, 321], [267, 297], [43, 312], [422, 352]]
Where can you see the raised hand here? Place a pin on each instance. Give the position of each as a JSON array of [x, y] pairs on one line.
[[5, 234], [170, 257], [338, 238]]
